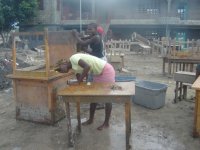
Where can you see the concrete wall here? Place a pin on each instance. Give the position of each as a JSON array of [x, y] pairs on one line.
[[50, 14], [125, 14], [194, 10], [121, 9]]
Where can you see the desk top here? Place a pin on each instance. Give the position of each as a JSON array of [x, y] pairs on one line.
[[99, 89], [185, 77], [186, 73]]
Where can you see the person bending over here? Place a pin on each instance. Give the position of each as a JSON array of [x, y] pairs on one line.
[[83, 64]]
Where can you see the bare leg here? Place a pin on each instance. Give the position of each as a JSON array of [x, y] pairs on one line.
[[92, 111], [108, 110]]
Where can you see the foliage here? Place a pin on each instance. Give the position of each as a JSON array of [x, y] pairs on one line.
[[12, 11], [7, 14], [26, 10]]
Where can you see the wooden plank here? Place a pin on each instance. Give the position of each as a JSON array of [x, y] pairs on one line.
[[196, 84], [47, 58], [32, 68], [99, 89], [14, 53], [198, 115], [38, 75], [196, 127]]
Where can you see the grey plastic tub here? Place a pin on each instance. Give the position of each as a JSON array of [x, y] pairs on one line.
[[150, 94]]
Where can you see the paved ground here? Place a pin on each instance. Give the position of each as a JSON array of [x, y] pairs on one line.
[[167, 128]]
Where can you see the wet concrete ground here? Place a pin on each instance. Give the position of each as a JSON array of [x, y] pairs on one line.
[[167, 128]]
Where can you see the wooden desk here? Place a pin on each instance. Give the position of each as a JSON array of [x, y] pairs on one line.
[[196, 129], [183, 79], [98, 92]]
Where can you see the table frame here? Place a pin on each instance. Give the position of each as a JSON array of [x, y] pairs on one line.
[[110, 97]]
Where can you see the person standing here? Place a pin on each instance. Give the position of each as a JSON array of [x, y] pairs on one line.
[[94, 40], [95, 44]]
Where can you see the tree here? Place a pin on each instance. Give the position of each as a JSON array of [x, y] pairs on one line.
[[26, 10], [12, 11]]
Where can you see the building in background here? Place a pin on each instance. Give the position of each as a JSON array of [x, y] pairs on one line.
[[178, 19]]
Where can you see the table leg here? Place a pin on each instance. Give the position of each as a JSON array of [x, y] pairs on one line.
[[184, 91], [169, 67], [163, 66], [176, 92], [78, 116], [127, 120], [69, 126], [180, 92]]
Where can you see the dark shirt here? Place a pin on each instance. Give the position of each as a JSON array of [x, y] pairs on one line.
[[97, 49]]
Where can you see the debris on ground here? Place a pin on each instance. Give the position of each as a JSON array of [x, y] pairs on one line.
[[116, 87], [6, 68]]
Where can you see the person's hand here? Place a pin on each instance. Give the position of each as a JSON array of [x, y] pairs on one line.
[[79, 78]]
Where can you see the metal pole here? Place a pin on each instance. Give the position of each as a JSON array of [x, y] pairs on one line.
[[80, 16], [168, 15]]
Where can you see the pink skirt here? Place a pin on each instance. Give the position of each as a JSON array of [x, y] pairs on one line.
[[107, 75]]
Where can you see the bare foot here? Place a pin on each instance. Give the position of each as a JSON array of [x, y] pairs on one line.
[[87, 122], [103, 126]]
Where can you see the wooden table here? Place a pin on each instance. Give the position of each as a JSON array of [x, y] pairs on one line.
[[196, 129], [98, 92], [183, 79]]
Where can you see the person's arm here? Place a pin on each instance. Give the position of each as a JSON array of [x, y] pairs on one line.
[[78, 76], [92, 39], [86, 69]]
